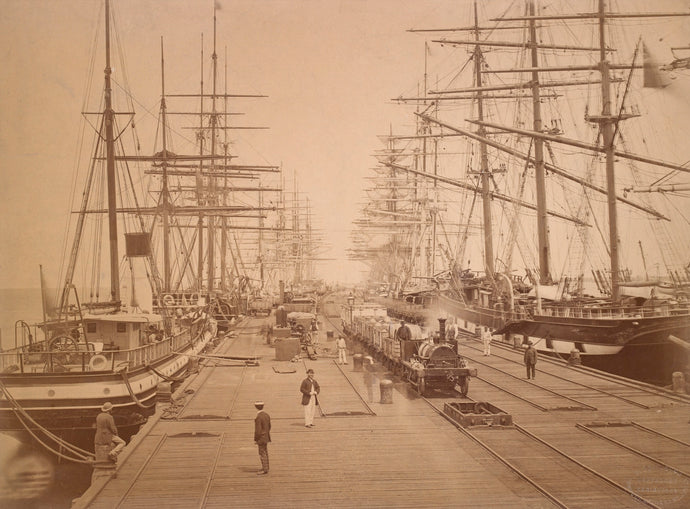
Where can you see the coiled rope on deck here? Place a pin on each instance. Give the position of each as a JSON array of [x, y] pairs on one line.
[[23, 417]]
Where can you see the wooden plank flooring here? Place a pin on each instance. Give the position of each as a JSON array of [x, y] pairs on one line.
[[402, 455]]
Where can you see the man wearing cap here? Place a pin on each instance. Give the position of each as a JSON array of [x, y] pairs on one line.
[[403, 332], [342, 347], [530, 360], [262, 435], [310, 390], [106, 432]]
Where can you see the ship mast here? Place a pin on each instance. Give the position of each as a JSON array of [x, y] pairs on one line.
[[199, 182], [540, 171], [607, 122], [165, 195], [109, 119], [212, 181], [484, 159]]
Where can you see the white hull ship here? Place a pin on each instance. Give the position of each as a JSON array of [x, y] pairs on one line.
[[52, 389]]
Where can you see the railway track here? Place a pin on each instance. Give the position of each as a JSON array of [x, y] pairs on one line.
[[625, 464], [566, 478], [646, 396], [185, 407]]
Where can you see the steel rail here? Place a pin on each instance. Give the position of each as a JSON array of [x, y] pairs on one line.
[[635, 384], [142, 468], [207, 488], [589, 469], [632, 449], [337, 328], [366, 405], [658, 433], [529, 402], [591, 387], [224, 346], [546, 389], [498, 456], [541, 489]]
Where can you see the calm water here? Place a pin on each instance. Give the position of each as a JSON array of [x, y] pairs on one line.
[[70, 479]]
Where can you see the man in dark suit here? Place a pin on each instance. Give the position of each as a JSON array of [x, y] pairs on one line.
[[403, 332], [309, 389], [262, 435]]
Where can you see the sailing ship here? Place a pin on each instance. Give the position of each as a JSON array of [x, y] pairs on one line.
[[235, 233], [208, 203], [554, 193], [117, 349]]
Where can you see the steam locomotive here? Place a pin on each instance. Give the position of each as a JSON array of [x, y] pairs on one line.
[[427, 363]]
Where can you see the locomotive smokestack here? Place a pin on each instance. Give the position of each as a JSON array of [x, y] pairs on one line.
[[442, 330]]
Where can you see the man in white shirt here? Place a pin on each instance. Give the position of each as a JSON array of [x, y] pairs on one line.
[[486, 339], [342, 347]]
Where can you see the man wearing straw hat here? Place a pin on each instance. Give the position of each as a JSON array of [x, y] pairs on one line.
[[106, 432], [262, 435]]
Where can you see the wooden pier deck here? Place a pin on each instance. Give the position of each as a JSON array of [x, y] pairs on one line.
[[200, 452]]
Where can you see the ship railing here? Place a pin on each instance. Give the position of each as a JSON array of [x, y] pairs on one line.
[[145, 354], [34, 360], [21, 361], [612, 312]]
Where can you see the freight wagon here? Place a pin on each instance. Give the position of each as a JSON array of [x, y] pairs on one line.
[[427, 360]]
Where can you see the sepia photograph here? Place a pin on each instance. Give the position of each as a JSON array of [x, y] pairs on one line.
[[344, 253]]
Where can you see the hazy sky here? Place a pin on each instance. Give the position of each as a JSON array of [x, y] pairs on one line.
[[328, 67]]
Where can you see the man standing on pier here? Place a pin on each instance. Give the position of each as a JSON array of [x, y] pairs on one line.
[[310, 390], [486, 339], [342, 347], [262, 435], [530, 360]]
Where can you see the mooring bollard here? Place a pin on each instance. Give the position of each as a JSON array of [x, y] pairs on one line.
[[678, 382], [103, 466], [193, 365], [386, 387], [357, 362], [164, 392]]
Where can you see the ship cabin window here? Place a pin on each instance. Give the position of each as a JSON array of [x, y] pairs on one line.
[[121, 327], [91, 327]]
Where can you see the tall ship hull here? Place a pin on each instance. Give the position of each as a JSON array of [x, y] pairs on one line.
[[633, 341], [547, 155]]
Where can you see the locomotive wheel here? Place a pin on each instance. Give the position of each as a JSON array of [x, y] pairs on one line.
[[421, 386], [464, 386]]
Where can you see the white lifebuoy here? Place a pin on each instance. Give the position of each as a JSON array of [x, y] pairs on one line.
[[168, 300], [98, 362]]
